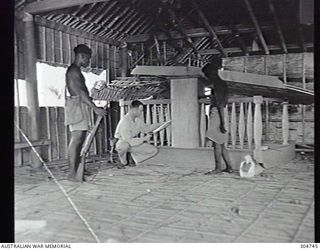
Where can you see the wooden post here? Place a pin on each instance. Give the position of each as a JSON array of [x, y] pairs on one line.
[[161, 120], [148, 118], [142, 48], [285, 124], [31, 83], [165, 52], [121, 104], [226, 122], [284, 68], [168, 129], [267, 121], [249, 125], [257, 122], [202, 125], [241, 126], [155, 120], [185, 112], [233, 125], [303, 107], [108, 65], [124, 60]]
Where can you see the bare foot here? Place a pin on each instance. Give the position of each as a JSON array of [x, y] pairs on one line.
[[121, 166], [214, 171], [228, 170], [72, 178]]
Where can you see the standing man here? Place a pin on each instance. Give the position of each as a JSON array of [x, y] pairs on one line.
[[217, 132], [127, 132], [77, 106]]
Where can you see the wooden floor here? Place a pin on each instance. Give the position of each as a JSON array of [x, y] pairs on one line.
[[160, 203]]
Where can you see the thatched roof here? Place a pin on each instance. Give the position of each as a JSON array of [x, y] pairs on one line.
[[235, 23]]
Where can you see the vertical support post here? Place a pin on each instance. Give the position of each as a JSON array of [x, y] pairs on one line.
[[202, 125], [155, 120], [249, 125], [233, 126], [142, 48], [241, 126], [115, 61], [49, 133], [148, 119], [285, 124], [303, 107], [226, 122], [284, 68], [165, 52], [124, 59], [161, 120], [257, 122], [168, 129], [108, 65], [31, 83], [185, 112], [121, 104], [267, 121]]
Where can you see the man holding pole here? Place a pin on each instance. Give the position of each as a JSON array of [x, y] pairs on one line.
[[77, 106]]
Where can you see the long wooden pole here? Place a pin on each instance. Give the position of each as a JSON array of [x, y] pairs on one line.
[[256, 24], [31, 82], [124, 60]]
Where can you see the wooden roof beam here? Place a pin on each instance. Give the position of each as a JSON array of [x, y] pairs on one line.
[[239, 39], [238, 50], [277, 23], [50, 5], [301, 39], [64, 28], [196, 32], [256, 24], [209, 28]]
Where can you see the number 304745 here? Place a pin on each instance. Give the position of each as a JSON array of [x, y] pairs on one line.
[[309, 245]]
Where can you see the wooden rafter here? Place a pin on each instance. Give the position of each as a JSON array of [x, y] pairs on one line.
[[258, 29], [301, 39], [54, 25], [213, 34], [238, 50], [196, 32], [239, 39], [277, 23], [50, 5]]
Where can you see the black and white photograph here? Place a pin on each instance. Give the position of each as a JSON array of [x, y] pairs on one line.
[[164, 121]]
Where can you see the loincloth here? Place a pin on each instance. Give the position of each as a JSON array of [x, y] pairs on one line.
[[214, 133]]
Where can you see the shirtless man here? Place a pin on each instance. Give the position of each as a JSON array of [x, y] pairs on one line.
[[217, 132], [78, 104]]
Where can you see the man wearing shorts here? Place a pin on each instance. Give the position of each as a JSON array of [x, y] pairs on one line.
[[77, 107]]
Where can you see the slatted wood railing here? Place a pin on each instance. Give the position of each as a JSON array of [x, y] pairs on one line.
[[156, 111], [246, 127]]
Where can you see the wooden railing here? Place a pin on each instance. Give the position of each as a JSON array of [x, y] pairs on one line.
[[156, 111], [54, 136], [246, 128], [247, 125]]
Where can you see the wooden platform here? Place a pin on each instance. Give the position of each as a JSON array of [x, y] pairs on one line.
[[168, 203], [276, 154]]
